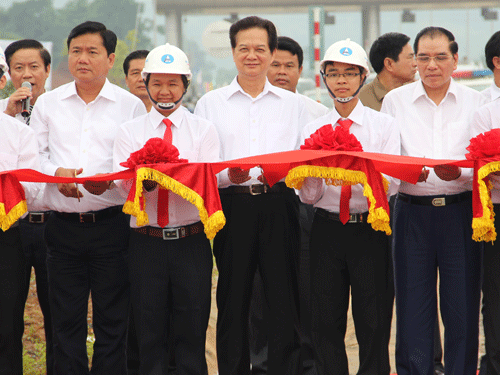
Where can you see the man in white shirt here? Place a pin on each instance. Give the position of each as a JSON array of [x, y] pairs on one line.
[[492, 56], [18, 150], [349, 255], [132, 67], [253, 117], [29, 61], [433, 218], [285, 72], [161, 259], [87, 234]]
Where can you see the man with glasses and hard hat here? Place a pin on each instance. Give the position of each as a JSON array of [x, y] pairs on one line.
[[433, 218], [161, 259], [19, 149], [348, 255]]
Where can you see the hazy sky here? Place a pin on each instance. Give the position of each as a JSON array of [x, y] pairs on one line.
[[469, 27]]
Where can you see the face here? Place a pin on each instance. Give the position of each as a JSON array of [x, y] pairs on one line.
[[88, 59], [252, 55], [435, 62], [166, 88], [406, 66], [284, 71], [343, 86], [134, 80], [27, 65]]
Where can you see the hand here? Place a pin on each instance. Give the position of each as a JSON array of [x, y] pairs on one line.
[[149, 185], [14, 105], [447, 172], [238, 175], [96, 187], [68, 190], [423, 175]]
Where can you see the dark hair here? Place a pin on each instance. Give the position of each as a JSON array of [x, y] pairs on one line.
[[492, 49], [251, 22], [388, 45], [27, 44], [288, 44], [92, 27], [432, 32], [139, 54]]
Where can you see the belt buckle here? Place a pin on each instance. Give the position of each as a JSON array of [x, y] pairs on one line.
[[84, 217], [253, 192], [353, 218], [174, 234], [36, 217], [439, 202]]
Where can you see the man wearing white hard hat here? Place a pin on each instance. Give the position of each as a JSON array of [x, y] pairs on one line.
[[433, 218], [348, 255], [87, 234], [177, 256], [19, 150]]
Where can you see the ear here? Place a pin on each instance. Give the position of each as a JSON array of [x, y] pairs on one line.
[[111, 60], [388, 64], [3, 82], [496, 61], [455, 60]]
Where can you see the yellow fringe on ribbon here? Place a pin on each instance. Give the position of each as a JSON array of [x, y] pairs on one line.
[[212, 224], [483, 228], [7, 219], [377, 216]]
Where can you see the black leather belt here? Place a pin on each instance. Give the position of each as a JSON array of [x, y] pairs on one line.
[[172, 233], [255, 189], [91, 216], [37, 217], [353, 218], [433, 200]]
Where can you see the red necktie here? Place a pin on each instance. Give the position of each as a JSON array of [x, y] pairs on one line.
[[345, 192], [162, 208]]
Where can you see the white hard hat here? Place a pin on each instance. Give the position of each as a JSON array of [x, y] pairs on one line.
[[3, 62], [167, 59], [346, 51]]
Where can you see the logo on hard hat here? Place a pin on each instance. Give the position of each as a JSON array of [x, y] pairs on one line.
[[167, 59], [346, 51]]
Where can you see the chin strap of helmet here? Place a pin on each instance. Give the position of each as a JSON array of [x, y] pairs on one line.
[[171, 105], [342, 100]]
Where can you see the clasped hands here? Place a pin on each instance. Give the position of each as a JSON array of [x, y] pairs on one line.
[[71, 190]]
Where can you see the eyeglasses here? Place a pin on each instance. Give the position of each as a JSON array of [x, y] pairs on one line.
[[437, 59], [349, 75]]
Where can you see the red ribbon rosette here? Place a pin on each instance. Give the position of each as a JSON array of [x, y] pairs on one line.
[[326, 138], [155, 151], [484, 150]]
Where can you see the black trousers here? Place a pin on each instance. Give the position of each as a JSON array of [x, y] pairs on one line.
[[83, 259], [259, 311], [35, 251], [12, 286], [491, 304], [349, 259], [261, 231], [185, 267]]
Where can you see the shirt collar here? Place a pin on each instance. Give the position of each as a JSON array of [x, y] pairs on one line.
[[106, 91], [176, 117], [420, 91], [495, 91], [356, 115], [379, 90], [235, 87]]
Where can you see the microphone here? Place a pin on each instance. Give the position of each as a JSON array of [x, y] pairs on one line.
[[25, 112]]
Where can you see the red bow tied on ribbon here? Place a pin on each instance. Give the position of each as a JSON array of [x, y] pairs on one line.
[[345, 192], [162, 207]]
